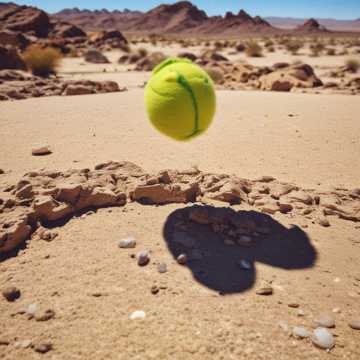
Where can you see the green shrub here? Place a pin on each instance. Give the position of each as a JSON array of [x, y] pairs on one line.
[[42, 61]]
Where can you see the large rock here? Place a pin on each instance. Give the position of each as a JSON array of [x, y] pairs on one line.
[[96, 57], [10, 59], [8, 37], [285, 79], [66, 30], [149, 62]]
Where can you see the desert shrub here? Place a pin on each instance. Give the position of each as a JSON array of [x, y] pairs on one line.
[[253, 49], [216, 75], [317, 48], [142, 52], [240, 47], [268, 43], [218, 45], [271, 49], [42, 61], [331, 52], [294, 45], [352, 65]]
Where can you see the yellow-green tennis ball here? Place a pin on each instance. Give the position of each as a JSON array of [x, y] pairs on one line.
[[180, 99]]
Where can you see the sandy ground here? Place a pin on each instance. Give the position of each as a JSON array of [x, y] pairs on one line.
[[93, 286]]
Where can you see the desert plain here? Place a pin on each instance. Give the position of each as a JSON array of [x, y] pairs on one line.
[[120, 243]]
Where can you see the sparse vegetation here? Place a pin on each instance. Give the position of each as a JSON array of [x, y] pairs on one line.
[[42, 61], [269, 43], [317, 48], [352, 65], [253, 49], [331, 52], [142, 52], [216, 75], [294, 45]]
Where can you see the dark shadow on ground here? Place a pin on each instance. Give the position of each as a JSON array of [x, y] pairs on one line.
[[216, 265]]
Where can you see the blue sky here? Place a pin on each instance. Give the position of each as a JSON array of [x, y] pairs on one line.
[[340, 9]]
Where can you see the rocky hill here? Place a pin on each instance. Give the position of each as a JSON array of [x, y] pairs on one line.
[[181, 17], [311, 26]]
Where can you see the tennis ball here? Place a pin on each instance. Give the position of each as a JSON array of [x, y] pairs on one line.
[[180, 99]]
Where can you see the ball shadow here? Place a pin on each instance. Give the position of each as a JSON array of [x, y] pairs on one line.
[[231, 269]]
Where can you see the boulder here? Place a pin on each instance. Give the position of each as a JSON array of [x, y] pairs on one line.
[[10, 59], [96, 57], [149, 62], [12, 38]]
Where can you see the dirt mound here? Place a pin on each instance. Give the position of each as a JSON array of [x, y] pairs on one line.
[[43, 197]]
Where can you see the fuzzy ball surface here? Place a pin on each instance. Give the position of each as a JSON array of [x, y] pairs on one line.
[[180, 99]]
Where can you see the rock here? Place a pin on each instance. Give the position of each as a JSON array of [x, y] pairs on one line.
[[127, 243], [300, 196], [41, 150], [139, 314], [325, 320], [323, 221], [293, 305], [65, 30], [285, 207], [11, 293], [184, 239], [43, 347], [284, 325], [244, 265], [270, 208], [45, 315], [13, 38], [355, 324], [244, 240], [11, 59], [300, 313], [24, 344], [182, 259], [154, 290], [96, 57], [31, 310], [162, 268], [143, 258], [323, 339], [2, 171], [300, 332], [200, 215], [187, 55], [150, 61], [72, 90], [265, 290]]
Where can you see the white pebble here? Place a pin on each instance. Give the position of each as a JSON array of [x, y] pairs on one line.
[[323, 338], [162, 268], [127, 243], [138, 314], [300, 312], [300, 332], [32, 309], [325, 320], [283, 325]]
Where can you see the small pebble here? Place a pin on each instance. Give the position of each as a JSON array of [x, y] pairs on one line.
[[11, 293], [2, 171], [325, 321], [45, 315], [293, 305], [244, 265], [300, 332], [162, 268], [31, 310], [265, 290], [154, 289], [43, 347], [336, 310], [41, 150], [283, 325], [24, 344], [300, 312], [323, 339], [138, 314], [128, 243], [323, 221], [182, 259], [355, 324], [143, 258]]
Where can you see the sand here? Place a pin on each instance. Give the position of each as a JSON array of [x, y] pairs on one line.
[[93, 286]]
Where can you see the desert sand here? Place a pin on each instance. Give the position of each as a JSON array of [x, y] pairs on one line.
[[245, 237]]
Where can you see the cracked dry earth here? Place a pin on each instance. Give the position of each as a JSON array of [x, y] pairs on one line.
[[59, 246]]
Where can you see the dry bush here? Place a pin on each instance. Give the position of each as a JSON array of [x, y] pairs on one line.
[[240, 47], [142, 52], [331, 52], [253, 49], [352, 65], [271, 49], [317, 48], [218, 45], [42, 61], [294, 45], [268, 43], [216, 75]]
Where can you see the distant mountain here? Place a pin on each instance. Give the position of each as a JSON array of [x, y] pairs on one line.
[[310, 26], [181, 17], [330, 24]]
